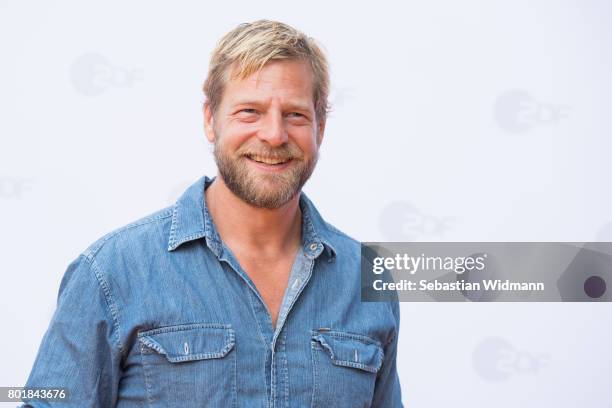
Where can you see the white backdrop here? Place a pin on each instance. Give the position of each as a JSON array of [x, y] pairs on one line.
[[453, 121]]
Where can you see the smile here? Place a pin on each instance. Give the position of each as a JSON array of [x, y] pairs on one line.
[[268, 160]]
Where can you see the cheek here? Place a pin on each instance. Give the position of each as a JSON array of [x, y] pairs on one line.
[[307, 142], [234, 136]]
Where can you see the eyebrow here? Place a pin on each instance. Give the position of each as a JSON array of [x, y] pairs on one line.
[[290, 105]]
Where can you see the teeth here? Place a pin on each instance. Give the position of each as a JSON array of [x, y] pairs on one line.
[[267, 160]]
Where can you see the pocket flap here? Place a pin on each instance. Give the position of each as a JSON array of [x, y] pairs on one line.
[[351, 350], [190, 342]]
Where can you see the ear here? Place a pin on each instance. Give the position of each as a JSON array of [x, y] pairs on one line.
[[209, 123], [320, 131]]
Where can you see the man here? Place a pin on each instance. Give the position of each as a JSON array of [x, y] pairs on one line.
[[240, 294]]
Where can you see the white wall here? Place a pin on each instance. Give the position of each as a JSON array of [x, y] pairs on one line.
[[472, 120]]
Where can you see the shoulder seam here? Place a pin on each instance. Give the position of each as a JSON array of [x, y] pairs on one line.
[[112, 308]]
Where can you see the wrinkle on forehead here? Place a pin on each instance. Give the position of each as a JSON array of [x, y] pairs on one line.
[[274, 80]]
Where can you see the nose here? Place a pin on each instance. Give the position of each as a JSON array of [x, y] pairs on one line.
[[273, 129]]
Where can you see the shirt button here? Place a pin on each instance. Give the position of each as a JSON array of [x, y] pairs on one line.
[[313, 246]]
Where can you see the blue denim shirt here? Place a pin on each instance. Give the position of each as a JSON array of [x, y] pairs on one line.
[[159, 313]]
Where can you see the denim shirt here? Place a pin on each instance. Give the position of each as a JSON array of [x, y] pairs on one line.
[[159, 313]]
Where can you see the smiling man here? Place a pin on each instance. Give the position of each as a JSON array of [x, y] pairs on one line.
[[240, 294]]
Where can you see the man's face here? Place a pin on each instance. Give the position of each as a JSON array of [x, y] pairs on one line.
[[266, 133]]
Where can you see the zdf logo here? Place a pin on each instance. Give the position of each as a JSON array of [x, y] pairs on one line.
[[517, 111], [91, 74], [495, 359], [403, 221], [11, 187]]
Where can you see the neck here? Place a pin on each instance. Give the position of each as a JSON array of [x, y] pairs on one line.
[[244, 225]]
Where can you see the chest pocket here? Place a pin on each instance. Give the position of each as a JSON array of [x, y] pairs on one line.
[[344, 364], [191, 365]]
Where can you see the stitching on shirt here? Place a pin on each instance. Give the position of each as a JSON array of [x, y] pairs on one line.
[[273, 381], [285, 366], [265, 377], [172, 239], [311, 214], [234, 376], [302, 287], [307, 222], [261, 336], [146, 377], [182, 327], [109, 302], [263, 341], [229, 341], [315, 385], [320, 337], [349, 335]]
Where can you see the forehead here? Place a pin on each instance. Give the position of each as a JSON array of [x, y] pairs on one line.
[[281, 79]]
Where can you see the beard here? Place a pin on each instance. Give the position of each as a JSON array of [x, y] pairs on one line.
[[257, 187]]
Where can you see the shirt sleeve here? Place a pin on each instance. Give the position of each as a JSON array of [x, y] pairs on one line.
[[387, 392], [80, 350]]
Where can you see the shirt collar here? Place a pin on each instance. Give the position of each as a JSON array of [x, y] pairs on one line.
[[191, 220]]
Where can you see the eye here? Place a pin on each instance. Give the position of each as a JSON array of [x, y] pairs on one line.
[[298, 119], [248, 110]]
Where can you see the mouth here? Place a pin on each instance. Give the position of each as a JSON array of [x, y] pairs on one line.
[[272, 161], [269, 164]]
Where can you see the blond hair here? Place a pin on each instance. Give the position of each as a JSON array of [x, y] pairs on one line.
[[248, 47]]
